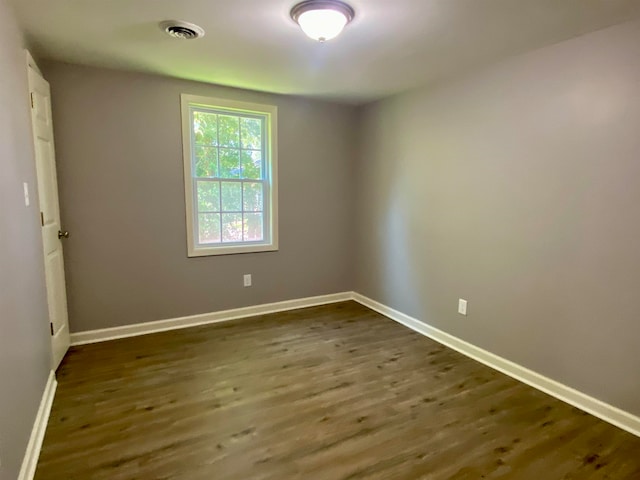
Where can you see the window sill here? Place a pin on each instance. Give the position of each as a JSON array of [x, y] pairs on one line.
[[231, 250]]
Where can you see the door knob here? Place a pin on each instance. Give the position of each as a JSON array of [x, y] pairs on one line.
[[62, 234]]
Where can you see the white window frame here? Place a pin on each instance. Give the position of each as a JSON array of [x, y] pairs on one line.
[[270, 242]]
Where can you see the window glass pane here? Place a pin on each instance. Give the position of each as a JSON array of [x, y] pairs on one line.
[[252, 196], [205, 128], [251, 129], [230, 193], [209, 228], [253, 227], [231, 227], [206, 161], [229, 131], [231, 196], [229, 163], [208, 196], [252, 164]]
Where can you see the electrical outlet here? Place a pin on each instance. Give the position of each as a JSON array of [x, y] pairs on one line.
[[462, 306], [247, 280]]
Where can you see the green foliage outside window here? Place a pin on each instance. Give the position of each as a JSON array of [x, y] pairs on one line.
[[228, 147]]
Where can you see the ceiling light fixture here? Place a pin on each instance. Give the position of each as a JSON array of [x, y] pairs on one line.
[[322, 19]]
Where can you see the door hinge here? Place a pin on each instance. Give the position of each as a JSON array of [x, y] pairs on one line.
[[42, 219], [33, 102], [51, 327]]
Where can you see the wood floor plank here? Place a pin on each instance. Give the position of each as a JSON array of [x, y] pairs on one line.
[[329, 392]]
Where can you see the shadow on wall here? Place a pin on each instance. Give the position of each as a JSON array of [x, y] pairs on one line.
[[401, 280]]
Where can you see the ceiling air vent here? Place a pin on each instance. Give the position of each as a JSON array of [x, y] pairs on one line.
[[183, 30]]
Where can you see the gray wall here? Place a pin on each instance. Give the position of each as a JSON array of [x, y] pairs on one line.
[[24, 335], [119, 152], [517, 189]]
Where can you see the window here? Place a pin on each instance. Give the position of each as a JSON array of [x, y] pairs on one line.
[[230, 176]]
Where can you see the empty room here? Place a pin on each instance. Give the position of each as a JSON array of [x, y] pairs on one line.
[[319, 239]]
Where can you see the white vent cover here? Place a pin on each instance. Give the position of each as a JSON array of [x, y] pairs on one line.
[[182, 30]]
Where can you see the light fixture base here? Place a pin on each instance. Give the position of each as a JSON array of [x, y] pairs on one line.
[[342, 7]]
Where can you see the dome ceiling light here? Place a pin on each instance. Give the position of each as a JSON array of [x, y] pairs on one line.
[[322, 19]]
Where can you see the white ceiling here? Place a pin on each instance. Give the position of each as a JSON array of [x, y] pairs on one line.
[[392, 45]]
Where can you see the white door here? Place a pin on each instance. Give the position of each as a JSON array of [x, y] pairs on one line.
[[52, 234]]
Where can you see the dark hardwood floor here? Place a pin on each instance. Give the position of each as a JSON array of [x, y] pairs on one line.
[[331, 392]]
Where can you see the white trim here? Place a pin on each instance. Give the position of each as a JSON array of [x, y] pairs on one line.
[[604, 411], [608, 413], [94, 336], [30, 460], [270, 112]]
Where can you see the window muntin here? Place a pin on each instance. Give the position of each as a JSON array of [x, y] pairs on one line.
[[229, 176]]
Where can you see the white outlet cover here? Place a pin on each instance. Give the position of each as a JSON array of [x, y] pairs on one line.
[[247, 280], [462, 306]]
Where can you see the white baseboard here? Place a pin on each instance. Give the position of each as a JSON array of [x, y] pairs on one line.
[[94, 336], [30, 461], [598, 408]]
